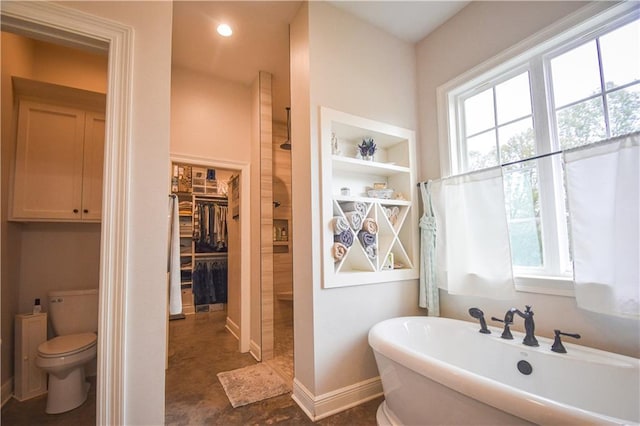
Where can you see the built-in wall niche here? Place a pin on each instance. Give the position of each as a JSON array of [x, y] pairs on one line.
[[280, 230], [369, 210], [280, 236]]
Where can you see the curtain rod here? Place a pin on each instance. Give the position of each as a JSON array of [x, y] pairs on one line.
[[548, 154], [511, 163]]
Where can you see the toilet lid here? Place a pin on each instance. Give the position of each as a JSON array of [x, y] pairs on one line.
[[66, 345]]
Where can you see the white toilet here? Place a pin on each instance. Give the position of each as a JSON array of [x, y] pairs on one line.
[[74, 317]]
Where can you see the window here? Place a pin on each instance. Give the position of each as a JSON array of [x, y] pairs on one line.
[[579, 88]]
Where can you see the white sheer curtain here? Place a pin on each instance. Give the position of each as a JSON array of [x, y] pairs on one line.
[[473, 254], [603, 186], [429, 297]]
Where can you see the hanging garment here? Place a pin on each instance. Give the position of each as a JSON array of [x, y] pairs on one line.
[[175, 295], [211, 226], [210, 282], [220, 227]]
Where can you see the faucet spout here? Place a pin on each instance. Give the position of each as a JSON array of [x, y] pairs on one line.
[[508, 320], [529, 326]]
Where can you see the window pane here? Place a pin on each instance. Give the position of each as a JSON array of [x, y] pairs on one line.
[[513, 98], [581, 124], [624, 110], [481, 151], [576, 74], [478, 112], [517, 141], [523, 215], [620, 50]]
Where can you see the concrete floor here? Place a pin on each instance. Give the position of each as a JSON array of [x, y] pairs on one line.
[[199, 348], [200, 344]]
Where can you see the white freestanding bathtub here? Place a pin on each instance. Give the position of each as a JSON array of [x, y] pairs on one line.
[[442, 371]]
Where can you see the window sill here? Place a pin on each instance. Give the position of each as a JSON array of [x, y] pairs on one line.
[[555, 286]]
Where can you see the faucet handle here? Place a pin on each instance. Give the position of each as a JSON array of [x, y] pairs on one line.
[[557, 343], [506, 333]]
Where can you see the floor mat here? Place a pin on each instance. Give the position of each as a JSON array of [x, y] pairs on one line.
[[252, 384]]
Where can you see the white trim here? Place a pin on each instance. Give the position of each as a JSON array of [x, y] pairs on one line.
[[330, 403], [245, 234], [255, 350], [556, 286], [533, 53], [7, 390], [571, 26], [68, 26], [233, 328]]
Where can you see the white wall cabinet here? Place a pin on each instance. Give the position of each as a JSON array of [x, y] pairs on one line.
[[29, 380], [393, 254], [59, 161]]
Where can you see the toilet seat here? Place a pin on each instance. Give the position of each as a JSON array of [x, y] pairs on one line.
[[66, 345]]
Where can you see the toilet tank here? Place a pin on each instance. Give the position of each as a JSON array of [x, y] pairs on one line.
[[73, 311]]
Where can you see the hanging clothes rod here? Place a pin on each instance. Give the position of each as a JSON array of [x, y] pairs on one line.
[[210, 255], [221, 202]]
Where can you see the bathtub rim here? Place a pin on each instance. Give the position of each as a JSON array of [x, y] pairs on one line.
[[517, 402]]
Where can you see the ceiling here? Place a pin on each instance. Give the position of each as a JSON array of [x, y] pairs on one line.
[[260, 41]]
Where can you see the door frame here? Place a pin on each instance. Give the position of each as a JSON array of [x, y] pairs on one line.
[[245, 232], [58, 24]]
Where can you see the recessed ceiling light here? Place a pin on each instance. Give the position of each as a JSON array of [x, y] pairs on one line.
[[224, 30]]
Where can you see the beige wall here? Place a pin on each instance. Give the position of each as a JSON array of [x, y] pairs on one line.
[[302, 199], [446, 53], [356, 68], [42, 257], [211, 119], [17, 59], [57, 256], [145, 291]]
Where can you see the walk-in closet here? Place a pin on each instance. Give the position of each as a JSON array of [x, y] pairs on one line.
[[201, 194]]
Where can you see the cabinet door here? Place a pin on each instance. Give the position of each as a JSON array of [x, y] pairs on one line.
[[48, 173], [93, 165]]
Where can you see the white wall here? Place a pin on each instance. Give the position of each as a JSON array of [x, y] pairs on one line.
[[480, 31], [146, 293], [358, 69]]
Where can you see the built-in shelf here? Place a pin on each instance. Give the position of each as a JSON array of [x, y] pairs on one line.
[[392, 254]]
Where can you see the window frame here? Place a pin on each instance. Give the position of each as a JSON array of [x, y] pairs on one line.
[[533, 55]]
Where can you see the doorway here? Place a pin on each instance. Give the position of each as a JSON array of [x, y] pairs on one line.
[[57, 24], [238, 300]]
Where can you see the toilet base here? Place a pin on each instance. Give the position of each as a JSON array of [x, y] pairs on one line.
[[67, 393]]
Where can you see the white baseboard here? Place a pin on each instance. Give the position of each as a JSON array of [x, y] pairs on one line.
[[233, 328], [330, 403], [7, 390], [255, 350]]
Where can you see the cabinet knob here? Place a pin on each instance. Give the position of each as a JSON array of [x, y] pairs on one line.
[[85, 211], [75, 210]]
